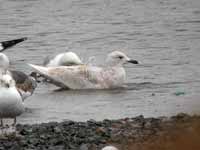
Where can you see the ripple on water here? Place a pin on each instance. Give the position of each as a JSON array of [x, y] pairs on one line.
[[162, 36]]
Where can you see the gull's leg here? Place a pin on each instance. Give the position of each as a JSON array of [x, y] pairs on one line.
[[15, 121], [1, 122], [1, 125]]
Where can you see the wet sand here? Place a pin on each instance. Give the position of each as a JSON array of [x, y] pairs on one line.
[[179, 132]]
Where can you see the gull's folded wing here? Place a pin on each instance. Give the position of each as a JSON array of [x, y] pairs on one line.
[[44, 72], [73, 77]]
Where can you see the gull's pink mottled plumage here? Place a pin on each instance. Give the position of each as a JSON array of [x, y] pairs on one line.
[[84, 77], [88, 76]]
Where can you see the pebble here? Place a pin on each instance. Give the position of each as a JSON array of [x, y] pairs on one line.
[[90, 135]]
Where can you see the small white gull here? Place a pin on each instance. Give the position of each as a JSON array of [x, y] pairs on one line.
[[11, 103], [89, 77], [63, 59], [8, 44], [66, 59]]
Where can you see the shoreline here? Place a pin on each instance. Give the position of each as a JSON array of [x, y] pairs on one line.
[[138, 133]]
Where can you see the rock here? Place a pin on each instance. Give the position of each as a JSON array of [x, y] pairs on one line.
[[93, 135], [84, 147]]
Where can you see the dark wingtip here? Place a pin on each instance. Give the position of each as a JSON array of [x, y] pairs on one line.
[[11, 43]]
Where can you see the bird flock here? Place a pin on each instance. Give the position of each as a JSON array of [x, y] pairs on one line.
[[65, 70]]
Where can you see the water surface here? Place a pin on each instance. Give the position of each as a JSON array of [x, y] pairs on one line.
[[162, 35]]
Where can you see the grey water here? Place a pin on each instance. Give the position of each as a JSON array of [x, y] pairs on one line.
[[163, 35]]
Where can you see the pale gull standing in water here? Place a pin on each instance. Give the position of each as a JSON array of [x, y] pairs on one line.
[[24, 83], [113, 75], [11, 103]]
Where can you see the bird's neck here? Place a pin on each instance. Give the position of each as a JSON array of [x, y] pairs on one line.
[[118, 66], [3, 71], [117, 70], [114, 64]]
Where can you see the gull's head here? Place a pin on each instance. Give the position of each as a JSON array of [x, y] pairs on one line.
[[118, 58], [69, 58], [109, 148], [4, 61], [7, 81]]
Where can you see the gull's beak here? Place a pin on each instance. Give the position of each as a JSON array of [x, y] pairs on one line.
[[7, 44], [133, 61], [7, 85]]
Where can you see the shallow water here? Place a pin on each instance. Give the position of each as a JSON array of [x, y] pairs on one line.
[[162, 35]]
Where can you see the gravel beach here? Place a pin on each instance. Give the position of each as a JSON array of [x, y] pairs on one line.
[[178, 132]]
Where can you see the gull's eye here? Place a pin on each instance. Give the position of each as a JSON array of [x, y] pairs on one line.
[[120, 57]]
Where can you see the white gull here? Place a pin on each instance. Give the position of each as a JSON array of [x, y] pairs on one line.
[[24, 83], [63, 59], [89, 77], [66, 59], [11, 103]]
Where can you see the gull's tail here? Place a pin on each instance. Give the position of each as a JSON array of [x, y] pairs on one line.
[[39, 69], [44, 72], [8, 44]]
